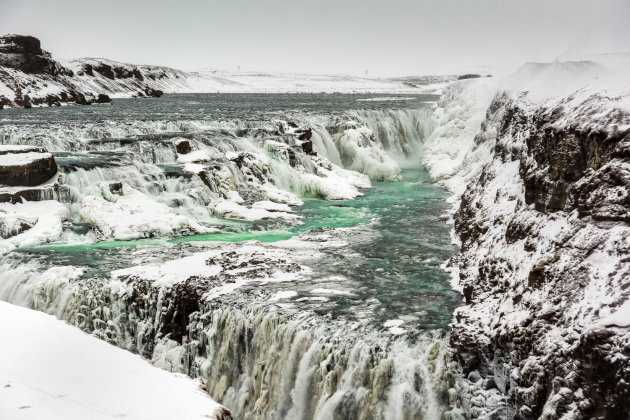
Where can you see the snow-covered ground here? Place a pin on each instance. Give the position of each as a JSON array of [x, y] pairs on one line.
[[222, 81], [51, 370]]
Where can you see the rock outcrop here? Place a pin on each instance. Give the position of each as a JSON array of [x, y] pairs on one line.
[[36, 79], [24, 53], [544, 262], [25, 166]]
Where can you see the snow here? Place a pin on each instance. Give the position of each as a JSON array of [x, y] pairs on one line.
[[133, 215], [47, 215], [619, 318], [277, 195], [17, 148], [171, 272], [51, 370], [195, 168], [271, 206], [394, 326], [232, 261], [21, 159], [333, 182], [285, 294], [450, 153], [233, 210], [195, 157], [584, 95]]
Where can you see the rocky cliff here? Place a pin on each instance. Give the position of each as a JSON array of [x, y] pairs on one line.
[[545, 238], [29, 76]]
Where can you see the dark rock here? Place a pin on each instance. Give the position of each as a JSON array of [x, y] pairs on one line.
[[223, 414], [307, 147], [115, 187], [183, 147], [28, 173], [4, 102], [154, 93], [564, 165], [24, 53], [23, 44], [103, 99], [31, 194], [468, 293], [468, 76], [305, 134], [80, 99], [105, 70]]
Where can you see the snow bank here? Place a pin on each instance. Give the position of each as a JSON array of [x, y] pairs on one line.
[[543, 239], [46, 218], [85, 378]]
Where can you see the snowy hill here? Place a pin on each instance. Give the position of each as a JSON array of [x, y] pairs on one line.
[[30, 77]]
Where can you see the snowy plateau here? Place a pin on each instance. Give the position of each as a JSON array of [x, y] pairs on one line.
[[536, 169]]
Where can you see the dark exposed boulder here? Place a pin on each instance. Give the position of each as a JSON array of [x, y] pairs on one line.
[[154, 93], [103, 99], [25, 168], [468, 76], [4, 102], [183, 147], [305, 134]]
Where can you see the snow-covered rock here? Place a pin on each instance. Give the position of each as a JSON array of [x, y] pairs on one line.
[[130, 214], [29, 76], [30, 223], [25, 166], [86, 377], [541, 196]]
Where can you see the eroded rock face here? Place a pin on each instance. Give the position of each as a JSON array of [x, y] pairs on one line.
[[25, 166], [25, 53], [544, 265], [28, 71]]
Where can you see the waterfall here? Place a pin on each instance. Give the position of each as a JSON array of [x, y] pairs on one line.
[[261, 358]]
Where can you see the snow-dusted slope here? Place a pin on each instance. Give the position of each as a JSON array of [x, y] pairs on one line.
[[30, 77], [51, 370], [542, 214]]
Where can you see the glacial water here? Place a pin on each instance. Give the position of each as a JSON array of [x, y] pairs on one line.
[[362, 335]]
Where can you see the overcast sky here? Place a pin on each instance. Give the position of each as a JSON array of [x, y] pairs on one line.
[[395, 37]]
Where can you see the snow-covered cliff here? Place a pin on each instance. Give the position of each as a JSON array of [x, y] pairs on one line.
[[542, 211]]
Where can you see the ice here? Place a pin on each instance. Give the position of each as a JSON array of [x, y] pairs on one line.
[[47, 216], [134, 215]]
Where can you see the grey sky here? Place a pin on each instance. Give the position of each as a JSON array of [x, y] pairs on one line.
[[396, 37]]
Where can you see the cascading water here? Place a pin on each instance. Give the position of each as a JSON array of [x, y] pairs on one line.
[[340, 315]]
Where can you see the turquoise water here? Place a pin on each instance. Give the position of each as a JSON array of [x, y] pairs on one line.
[[389, 267]]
